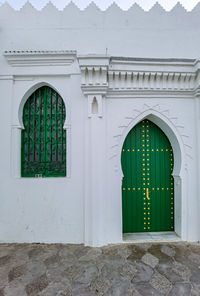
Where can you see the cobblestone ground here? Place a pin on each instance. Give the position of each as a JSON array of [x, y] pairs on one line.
[[126, 269]]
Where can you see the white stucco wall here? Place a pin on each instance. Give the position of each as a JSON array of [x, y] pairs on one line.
[[49, 209], [85, 207]]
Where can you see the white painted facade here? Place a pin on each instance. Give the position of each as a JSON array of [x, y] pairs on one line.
[[136, 65]]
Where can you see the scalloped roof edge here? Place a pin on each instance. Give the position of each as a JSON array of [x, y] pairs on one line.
[[114, 5]]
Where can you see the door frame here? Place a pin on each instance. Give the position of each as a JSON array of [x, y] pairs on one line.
[[180, 165]]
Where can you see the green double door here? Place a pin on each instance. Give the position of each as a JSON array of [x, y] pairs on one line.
[[148, 185]]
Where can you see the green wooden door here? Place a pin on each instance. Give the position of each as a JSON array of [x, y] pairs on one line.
[[148, 185]]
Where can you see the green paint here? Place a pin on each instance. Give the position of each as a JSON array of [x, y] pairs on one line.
[[147, 164], [43, 139]]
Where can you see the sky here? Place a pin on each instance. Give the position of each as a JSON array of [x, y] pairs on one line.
[[103, 4]]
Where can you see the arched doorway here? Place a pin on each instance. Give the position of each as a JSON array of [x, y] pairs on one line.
[[148, 184]]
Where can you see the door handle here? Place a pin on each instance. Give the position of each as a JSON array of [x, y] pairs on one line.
[[147, 193]]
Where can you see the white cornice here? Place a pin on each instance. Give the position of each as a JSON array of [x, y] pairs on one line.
[[142, 93], [6, 77], [40, 58], [119, 76], [94, 71], [153, 64], [93, 59], [152, 80]]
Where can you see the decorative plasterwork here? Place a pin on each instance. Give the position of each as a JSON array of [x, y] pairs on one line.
[[94, 70], [151, 75], [197, 91], [40, 58], [94, 80], [159, 111], [157, 80], [129, 77], [182, 150]]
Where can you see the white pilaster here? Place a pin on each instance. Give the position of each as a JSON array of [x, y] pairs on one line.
[[197, 124], [95, 202], [95, 180]]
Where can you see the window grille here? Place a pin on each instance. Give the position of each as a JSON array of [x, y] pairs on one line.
[[43, 150]]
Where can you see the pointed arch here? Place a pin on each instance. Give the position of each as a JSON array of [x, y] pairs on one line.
[[30, 91], [168, 128], [94, 106], [43, 138], [164, 122]]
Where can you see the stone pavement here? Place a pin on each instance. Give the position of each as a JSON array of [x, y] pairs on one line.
[[125, 269]]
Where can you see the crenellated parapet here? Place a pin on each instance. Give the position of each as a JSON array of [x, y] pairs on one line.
[[92, 6]]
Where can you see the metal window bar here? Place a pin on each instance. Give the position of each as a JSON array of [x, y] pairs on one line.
[[43, 138]]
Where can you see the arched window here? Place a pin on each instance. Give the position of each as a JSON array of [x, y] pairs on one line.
[[43, 140]]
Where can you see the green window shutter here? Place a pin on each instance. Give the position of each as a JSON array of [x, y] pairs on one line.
[[43, 140]]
